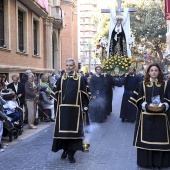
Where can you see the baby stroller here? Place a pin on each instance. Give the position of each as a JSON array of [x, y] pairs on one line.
[[10, 130], [19, 123]]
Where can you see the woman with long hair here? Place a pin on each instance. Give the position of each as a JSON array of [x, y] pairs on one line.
[[4, 81], [152, 131]]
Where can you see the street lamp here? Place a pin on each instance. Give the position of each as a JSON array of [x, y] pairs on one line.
[[144, 59], [103, 44]]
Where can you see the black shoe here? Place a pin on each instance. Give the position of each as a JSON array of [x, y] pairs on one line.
[[71, 159], [52, 120], [64, 155], [123, 120]]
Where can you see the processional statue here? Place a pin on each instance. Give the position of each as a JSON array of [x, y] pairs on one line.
[[118, 39], [119, 32]]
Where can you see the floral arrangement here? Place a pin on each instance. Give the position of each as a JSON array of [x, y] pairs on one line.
[[115, 64]]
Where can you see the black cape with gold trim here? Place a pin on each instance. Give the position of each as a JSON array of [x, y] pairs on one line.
[[71, 96], [152, 131]]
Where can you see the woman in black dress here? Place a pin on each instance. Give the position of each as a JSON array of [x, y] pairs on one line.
[[152, 131]]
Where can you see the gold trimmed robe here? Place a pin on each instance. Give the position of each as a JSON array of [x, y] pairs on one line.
[[152, 131], [70, 94]]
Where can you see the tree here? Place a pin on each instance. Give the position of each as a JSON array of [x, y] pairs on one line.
[[149, 27], [103, 26]]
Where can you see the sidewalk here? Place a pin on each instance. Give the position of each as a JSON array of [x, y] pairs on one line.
[[26, 133], [111, 147]]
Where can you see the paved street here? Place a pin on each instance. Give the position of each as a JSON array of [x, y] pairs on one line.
[[111, 148]]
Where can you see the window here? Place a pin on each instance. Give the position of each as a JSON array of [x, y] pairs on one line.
[[1, 23], [35, 30], [36, 24], [20, 30]]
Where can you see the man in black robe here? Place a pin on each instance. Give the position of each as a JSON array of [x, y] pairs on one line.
[[109, 93], [128, 112], [117, 80], [97, 106], [71, 112]]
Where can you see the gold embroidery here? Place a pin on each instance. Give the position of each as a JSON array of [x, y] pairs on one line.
[[152, 149], [133, 99], [151, 83], [75, 76], [132, 103], [139, 99], [78, 119], [53, 97], [152, 114], [68, 137], [65, 76], [135, 92], [166, 99], [165, 86]]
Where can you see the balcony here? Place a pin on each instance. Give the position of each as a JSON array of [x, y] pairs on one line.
[[86, 15], [87, 36], [35, 7], [57, 14], [85, 29], [83, 42]]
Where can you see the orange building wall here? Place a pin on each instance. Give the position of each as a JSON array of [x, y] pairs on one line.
[[11, 57], [69, 35]]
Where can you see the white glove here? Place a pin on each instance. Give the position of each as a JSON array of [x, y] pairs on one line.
[[143, 106]]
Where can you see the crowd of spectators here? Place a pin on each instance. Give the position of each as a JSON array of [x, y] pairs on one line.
[[30, 92], [20, 99]]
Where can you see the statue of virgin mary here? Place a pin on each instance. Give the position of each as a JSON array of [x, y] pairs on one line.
[[118, 44]]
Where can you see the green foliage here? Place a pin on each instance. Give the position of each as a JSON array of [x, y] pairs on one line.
[[103, 21], [148, 23], [149, 27]]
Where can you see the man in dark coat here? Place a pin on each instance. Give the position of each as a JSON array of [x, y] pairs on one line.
[[18, 89], [23, 80], [117, 80], [128, 112], [30, 96], [97, 106], [72, 104], [109, 93]]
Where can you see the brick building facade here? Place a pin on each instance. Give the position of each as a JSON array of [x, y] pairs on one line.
[[30, 36], [69, 35]]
